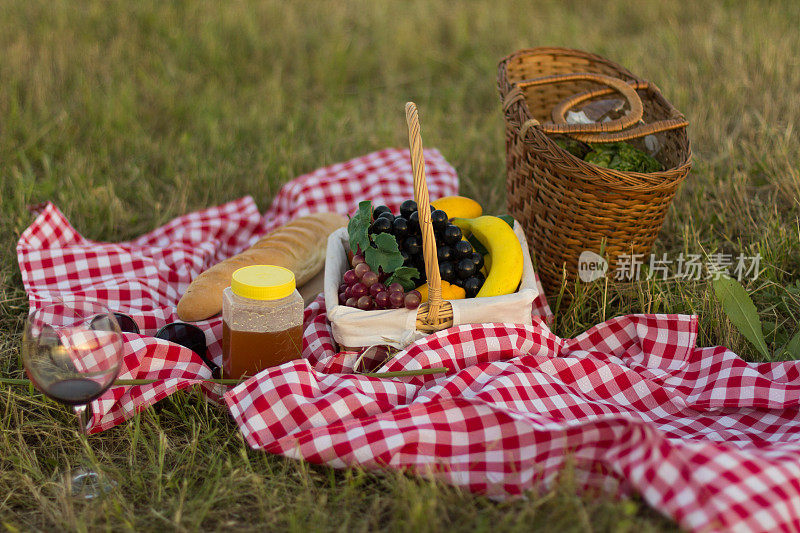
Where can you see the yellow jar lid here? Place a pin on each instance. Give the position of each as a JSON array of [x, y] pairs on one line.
[[263, 282]]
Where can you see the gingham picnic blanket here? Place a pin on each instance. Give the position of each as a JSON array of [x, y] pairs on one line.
[[146, 277], [631, 404]]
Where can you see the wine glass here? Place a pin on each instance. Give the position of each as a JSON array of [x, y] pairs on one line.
[[72, 351]]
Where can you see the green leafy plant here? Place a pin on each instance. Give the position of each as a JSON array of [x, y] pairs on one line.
[[617, 156], [622, 156], [742, 312], [792, 347]]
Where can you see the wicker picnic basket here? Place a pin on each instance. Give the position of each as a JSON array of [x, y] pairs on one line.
[[568, 205], [352, 326]]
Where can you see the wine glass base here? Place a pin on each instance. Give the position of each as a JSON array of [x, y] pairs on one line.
[[87, 484]]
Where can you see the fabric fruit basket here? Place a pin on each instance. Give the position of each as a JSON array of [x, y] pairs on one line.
[[355, 328], [568, 205]]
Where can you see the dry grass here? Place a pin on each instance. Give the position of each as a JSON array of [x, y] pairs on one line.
[[130, 113]]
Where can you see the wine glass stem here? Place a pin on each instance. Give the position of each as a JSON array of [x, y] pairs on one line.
[[83, 421], [86, 482]]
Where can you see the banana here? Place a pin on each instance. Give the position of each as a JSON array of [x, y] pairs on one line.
[[487, 264], [505, 271], [458, 207]]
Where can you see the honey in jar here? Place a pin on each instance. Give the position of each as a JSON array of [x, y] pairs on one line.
[[262, 320]]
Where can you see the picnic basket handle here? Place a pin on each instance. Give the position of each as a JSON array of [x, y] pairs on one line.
[[611, 131], [561, 125], [640, 130], [432, 316]]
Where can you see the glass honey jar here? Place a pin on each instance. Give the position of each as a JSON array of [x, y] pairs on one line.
[[262, 320]]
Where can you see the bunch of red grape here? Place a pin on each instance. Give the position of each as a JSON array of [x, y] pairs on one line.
[[364, 289]]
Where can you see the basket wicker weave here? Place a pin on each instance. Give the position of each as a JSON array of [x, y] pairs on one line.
[[436, 314], [568, 205]]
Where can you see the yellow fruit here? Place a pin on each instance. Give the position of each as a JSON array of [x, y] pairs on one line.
[[449, 292], [458, 207], [487, 264], [505, 253]]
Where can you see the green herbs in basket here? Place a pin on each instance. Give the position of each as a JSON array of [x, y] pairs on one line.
[[622, 156], [616, 156]]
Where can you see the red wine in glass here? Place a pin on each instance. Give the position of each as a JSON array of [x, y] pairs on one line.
[[72, 351], [73, 391]]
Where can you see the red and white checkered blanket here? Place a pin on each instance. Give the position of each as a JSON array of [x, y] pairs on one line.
[[705, 437]]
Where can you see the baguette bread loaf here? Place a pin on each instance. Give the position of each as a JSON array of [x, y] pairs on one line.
[[311, 288], [299, 246]]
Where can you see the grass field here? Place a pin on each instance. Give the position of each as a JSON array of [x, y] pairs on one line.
[[126, 114]]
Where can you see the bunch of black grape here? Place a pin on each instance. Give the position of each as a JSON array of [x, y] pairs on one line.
[[459, 263], [365, 289]]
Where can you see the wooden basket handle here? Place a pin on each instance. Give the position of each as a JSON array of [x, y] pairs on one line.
[[425, 224]]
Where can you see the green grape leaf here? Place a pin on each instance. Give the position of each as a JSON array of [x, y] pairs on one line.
[[741, 311], [403, 275], [385, 254], [358, 227]]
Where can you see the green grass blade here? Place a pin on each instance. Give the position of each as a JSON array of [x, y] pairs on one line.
[[741, 311], [232, 382], [792, 347]]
